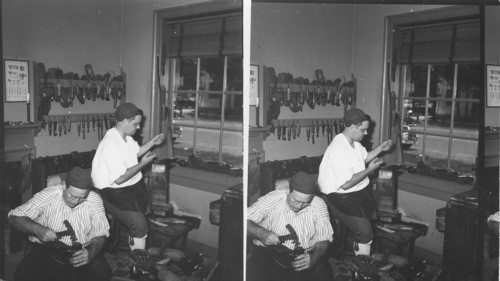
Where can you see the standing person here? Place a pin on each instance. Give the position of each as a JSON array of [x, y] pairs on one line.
[[343, 177], [43, 217], [116, 172], [308, 215]]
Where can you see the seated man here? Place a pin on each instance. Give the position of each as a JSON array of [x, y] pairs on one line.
[[53, 256], [307, 214]]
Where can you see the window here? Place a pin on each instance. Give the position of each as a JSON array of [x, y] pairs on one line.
[[204, 62], [438, 73]]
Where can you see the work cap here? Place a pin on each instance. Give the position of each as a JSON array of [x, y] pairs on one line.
[[126, 110], [303, 183], [354, 116], [79, 178]]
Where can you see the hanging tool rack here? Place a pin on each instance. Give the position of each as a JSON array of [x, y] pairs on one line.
[[288, 129], [57, 125]]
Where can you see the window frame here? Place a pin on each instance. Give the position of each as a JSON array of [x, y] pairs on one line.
[[160, 20], [223, 93], [428, 99], [390, 68]]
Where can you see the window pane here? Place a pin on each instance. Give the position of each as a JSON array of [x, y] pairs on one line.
[[415, 87], [232, 149], [441, 87], [463, 158], [436, 151], [209, 104], [412, 152]]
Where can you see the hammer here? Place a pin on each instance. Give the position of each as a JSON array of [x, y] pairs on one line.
[[294, 237], [68, 232]]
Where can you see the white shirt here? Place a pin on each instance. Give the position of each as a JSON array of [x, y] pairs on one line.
[[49, 209], [340, 162], [112, 158]]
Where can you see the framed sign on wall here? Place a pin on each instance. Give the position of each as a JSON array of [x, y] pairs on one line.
[[493, 85], [254, 85], [16, 81]]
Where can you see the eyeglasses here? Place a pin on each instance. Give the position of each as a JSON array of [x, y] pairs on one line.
[[301, 203], [76, 198]]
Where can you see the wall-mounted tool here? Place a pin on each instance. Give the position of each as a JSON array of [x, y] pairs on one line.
[[69, 124], [54, 130], [50, 126], [83, 127], [279, 130]]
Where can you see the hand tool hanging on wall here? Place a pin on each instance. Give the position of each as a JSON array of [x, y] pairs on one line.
[[78, 127], [312, 132], [331, 133], [308, 132], [283, 130], [65, 129], [298, 129], [50, 126], [83, 127], [59, 128], [336, 127], [69, 124], [279, 130], [289, 132], [317, 128], [98, 127], [323, 127], [106, 122], [55, 127], [93, 122], [88, 124], [328, 130], [294, 130], [102, 128]]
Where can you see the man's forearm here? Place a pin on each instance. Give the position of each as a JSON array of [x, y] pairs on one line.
[[95, 246], [129, 173], [318, 250], [25, 225], [145, 148], [254, 230], [374, 153], [356, 178]]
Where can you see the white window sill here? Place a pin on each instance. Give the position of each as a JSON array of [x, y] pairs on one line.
[[430, 187], [202, 180]]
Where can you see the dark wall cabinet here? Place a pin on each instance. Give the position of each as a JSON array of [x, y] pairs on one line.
[[231, 235]]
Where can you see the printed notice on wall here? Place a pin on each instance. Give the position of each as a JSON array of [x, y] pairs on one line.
[[16, 81], [254, 85], [493, 85]]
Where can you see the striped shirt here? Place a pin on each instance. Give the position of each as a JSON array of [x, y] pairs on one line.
[[312, 223], [49, 209]]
